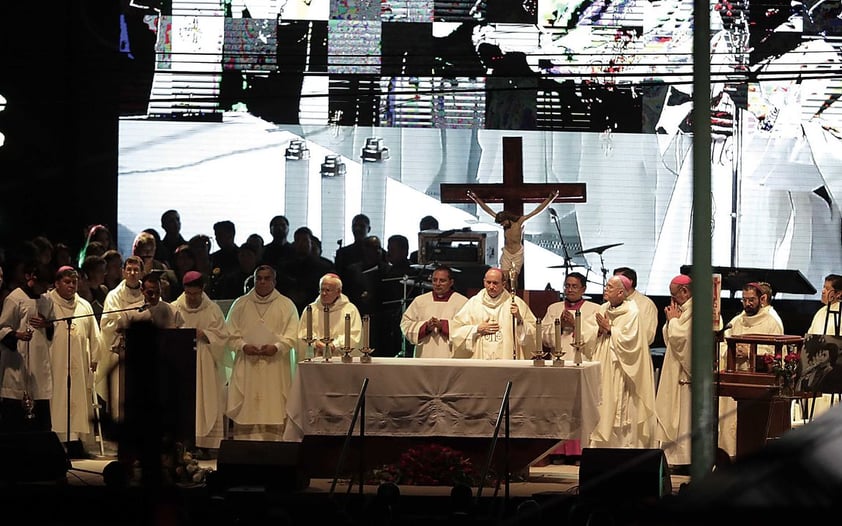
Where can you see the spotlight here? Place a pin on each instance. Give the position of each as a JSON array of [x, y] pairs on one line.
[[333, 166], [297, 150], [374, 151]]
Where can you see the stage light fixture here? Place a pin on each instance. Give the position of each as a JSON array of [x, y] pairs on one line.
[[374, 150], [297, 150], [333, 166]]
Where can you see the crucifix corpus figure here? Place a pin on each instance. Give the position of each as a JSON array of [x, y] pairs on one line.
[[511, 259], [513, 192]]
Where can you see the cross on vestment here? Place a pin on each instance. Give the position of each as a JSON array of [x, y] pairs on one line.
[[513, 192]]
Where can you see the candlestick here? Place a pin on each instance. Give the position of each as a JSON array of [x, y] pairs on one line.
[[557, 335], [577, 330], [326, 334], [537, 351], [309, 314], [366, 357], [347, 331], [365, 332]]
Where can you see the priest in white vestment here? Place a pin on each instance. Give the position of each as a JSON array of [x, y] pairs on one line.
[[627, 411], [648, 311], [494, 324], [426, 322], [84, 346], [673, 398], [203, 314], [753, 319], [264, 328], [330, 329], [126, 295]]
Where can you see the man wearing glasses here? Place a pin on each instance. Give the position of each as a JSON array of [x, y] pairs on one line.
[[752, 320]]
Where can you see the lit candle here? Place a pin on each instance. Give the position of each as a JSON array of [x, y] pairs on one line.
[[347, 331], [577, 330], [537, 336], [326, 334], [309, 323], [557, 340]]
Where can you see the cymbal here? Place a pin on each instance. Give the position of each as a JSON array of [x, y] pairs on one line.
[[598, 250], [431, 266], [567, 266]]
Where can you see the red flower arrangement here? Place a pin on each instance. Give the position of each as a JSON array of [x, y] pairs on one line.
[[429, 465], [785, 368]]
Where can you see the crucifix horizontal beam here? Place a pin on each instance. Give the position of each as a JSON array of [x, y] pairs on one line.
[[513, 192]]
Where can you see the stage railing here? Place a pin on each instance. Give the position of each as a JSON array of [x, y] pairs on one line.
[[502, 417], [359, 413]]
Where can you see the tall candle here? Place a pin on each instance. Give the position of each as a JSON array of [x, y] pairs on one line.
[[326, 334], [537, 336], [347, 331], [557, 339], [309, 310], [578, 327], [365, 332]]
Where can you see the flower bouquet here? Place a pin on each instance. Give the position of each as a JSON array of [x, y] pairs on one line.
[[785, 368], [428, 465]]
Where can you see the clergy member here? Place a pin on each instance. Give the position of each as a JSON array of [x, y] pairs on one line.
[[340, 333], [203, 314], [84, 347], [494, 324], [565, 312], [426, 322], [752, 320], [263, 324], [672, 401], [627, 413]]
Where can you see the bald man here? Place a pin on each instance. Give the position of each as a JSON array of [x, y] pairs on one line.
[[672, 402], [627, 413]]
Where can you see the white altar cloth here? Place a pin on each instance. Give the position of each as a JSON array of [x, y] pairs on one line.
[[444, 397]]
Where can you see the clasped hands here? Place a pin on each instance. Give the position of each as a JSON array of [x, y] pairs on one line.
[[603, 323], [262, 350]]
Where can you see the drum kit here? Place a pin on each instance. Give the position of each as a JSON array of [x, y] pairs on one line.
[[567, 265]]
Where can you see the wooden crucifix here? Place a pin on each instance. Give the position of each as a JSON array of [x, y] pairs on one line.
[[513, 192]]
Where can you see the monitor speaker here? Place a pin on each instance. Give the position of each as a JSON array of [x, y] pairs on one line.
[[270, 464], [32, 457], [627, 474]]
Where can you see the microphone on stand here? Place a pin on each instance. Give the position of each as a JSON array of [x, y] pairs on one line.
[[553, 213], [143, 307]]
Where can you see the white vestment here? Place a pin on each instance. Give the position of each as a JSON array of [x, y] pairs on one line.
[[85, 344], [627, 411], [26, 368], [108, 369], [341, 333], [589, 328], [672, 401], [258, 388], [467, 342], [210, 367], [422, 308], [760, 323], [648, 316], [824, 322]]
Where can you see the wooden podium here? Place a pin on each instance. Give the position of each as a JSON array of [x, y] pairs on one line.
[[761, 412]]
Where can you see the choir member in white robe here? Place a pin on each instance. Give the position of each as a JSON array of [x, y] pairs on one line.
[[627, 412], [203, 314], [264, 327], [25, 332], [426, 322], [752, 320], [494, 324], [77, 314], [673, 398], [126, 295], [331, 330]]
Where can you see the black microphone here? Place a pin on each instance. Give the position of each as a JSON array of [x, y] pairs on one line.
[[552, 212], [143, 307]]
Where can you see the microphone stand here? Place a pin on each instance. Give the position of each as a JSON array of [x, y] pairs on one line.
[[69, 323], [566, 254]]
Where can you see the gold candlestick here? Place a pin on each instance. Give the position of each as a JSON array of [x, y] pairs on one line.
[[365, 349], [326, 339]]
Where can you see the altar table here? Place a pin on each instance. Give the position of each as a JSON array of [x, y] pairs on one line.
[[412, 397]]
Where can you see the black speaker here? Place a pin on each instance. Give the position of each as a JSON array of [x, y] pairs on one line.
[[273, 465], [623, 474], [32, 457]]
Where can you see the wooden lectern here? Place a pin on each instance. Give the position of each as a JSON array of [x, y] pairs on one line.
[[761, 412]]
